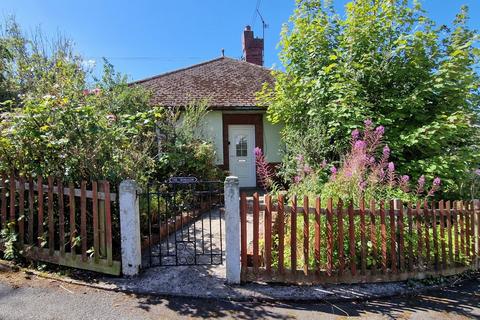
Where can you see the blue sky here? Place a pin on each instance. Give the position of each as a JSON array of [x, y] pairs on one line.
[[147, 37]]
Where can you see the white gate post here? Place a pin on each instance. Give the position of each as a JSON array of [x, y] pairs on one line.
[[130, 228], [232, 233]]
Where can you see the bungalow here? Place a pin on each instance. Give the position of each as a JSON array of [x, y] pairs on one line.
[[236, 124]]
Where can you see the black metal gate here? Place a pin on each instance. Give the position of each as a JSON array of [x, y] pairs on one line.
[[182, 223]]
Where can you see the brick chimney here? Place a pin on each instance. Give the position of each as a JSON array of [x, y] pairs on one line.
[[252, 47]]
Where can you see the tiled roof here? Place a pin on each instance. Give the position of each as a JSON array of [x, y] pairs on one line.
[[224, 82]]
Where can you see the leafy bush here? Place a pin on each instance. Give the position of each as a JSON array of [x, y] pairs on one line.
[[58, 119], [384, 60], [183, 150]]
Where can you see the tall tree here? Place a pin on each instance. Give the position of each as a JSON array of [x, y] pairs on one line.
[[384, 60]]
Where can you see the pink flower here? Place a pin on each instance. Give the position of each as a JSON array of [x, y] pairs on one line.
[[477, 172], [368, 123], [96, 91], [86, 92], [403, 184], [333, 170], [421, 185], [391, 166], [421, 180], [355, 134], [258, 152], [297, 179], [386, 152], [362, 185], [380, 130], [307, 169], [360, 145], [264, 171], [435, 186]]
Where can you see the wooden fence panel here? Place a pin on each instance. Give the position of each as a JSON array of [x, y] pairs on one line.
[[281, 234], [293, 234], [383, 232], [306, 235], [96, 239], [256, 231], [108, 224], [426, 217], [435, 237], [393, 238], [83, 219], [363, 240], [462, 228], [61, 217], [472, 230], [21, 211], [373, 237], [403, 245], [51, 222], [31, 203], [268, 233], [411, 257], [318, 212], [12, 198], [4, 200], [419, 234], [455, 231], [341, 253], [40, 212], [351, 240], [449, 233], [401, 239], [38, 238], [329, 237]]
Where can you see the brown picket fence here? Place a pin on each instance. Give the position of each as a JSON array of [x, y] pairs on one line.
[[60, 224], [376, 242]]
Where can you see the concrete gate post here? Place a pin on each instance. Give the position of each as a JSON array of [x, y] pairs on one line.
[[130, 228], [232, 226]]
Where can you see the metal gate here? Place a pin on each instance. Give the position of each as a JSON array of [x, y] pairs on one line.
[[182, 223]]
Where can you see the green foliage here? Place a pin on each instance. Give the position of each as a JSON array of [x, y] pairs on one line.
[[58, 119], [8, 237], [184, 152], [387, 61]]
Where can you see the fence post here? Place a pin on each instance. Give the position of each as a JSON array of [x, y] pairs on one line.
[[232, 226], [130, 228], [476, 220]]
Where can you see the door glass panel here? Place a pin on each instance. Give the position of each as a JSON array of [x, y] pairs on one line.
[[241, 146]]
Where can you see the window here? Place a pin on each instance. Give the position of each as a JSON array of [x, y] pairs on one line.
[[241, 146]]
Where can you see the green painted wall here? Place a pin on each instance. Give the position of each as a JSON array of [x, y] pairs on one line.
[[213, 131], [272, 141]]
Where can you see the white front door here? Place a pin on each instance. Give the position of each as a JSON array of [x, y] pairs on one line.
[[241, 153]]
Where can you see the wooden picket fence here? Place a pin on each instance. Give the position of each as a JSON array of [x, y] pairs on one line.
[[76, 230], [384, 242]]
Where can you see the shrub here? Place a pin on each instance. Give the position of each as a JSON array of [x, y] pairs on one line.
[[384, 60], [365, 171]]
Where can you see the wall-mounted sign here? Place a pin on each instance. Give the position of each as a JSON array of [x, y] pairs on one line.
[[183, 180]]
